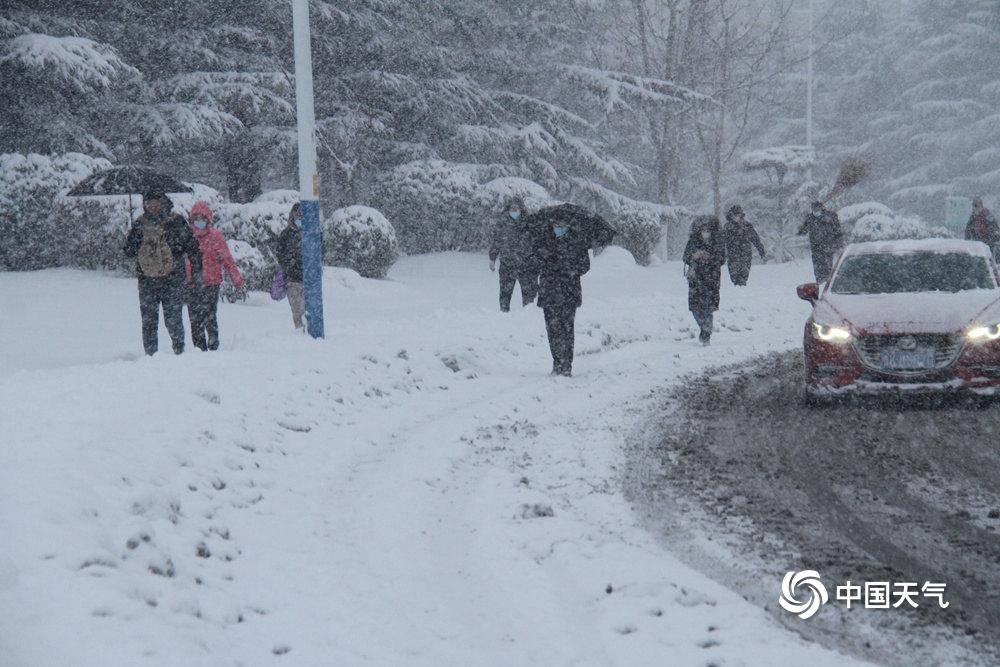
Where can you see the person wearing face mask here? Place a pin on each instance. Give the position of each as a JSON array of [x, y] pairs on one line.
[[741, 238], [511, 243], [826, 239], [704, 256], [288, 250], [562, 257], [203, 298], [160, 240]]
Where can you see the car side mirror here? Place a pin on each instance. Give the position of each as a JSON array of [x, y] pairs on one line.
[[808, 292]]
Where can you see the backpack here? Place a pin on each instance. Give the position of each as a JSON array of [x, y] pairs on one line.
[[155, 257]]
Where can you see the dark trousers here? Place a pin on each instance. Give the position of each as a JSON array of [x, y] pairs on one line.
[[739, 272], [559, 321], [705, 320], [153, 293], [822, 265], [203, 307], [509, 275]]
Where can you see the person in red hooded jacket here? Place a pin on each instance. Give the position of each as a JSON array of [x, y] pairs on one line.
[[203, 299]]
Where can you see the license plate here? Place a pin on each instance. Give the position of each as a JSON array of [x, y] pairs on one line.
[[908, 359]]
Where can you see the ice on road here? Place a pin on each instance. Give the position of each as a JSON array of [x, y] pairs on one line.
[[413, 490]]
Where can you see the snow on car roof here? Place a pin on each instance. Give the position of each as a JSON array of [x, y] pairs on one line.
[[907, 246]]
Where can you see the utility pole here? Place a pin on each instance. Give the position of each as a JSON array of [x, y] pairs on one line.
[[312, 243], [809, 91]]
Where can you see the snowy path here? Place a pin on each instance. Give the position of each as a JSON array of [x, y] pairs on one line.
[[415, 489]]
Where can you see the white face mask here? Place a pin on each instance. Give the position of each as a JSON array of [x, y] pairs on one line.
[[706, 236], [201, 223], [515, 215]]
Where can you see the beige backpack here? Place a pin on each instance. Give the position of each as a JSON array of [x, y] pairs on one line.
[[155, 258]]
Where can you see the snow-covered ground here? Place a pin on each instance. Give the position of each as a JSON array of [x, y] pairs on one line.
[[415, 489]]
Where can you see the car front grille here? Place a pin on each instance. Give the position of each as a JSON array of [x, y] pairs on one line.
[[946, 350]]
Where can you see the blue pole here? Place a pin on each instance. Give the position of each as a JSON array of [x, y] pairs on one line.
[[312, 242], [312, 266]]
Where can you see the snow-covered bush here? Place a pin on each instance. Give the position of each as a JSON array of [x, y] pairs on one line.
[[256, 270], [284, 197], [436, 205], [257, 223], [872, 221], [497, 193], [31, 233], [360, 238], [92, 230], [850, 215], [639, 231]]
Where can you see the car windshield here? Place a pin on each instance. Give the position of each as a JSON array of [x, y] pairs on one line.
[[887, 273]]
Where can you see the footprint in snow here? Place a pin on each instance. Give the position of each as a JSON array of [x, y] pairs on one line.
[[209, 395], [294, 426]]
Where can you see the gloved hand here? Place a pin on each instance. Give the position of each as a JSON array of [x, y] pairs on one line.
[[493, 265]]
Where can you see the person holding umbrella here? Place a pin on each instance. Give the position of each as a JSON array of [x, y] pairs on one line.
[[741, 238], [203, 298], [160, 239], [704, 256], [561, 238]]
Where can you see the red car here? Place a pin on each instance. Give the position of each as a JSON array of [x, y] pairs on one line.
[[905, 316]]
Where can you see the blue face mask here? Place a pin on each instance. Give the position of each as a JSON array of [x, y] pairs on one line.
[[560, 231], [298, 222], [515, 215], [201, 224]]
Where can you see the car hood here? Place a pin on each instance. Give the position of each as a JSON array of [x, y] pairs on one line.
[[923, 312]]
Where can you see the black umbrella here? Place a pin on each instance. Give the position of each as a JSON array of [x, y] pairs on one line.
[[126, 181], [591, 227]]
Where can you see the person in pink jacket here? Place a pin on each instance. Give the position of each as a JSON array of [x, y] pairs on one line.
[[203, 300]]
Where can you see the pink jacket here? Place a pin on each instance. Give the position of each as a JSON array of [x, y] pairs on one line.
[[215, 253]]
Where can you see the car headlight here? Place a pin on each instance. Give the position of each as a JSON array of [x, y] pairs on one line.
[[983, 334], [831, 334]]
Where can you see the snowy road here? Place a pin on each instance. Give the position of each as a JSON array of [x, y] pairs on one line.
[[414, 490], [869, 492]]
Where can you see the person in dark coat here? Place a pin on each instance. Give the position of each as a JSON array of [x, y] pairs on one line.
[[561, 253], [288, 251], [160, 240], [826, 239], [511, 244], [740, 238], [704, 256], [983, 227]]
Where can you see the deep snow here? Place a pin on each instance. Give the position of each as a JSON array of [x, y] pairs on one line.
[[415, 489]]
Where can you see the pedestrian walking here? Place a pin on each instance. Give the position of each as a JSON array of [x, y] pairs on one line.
[[160, 240], [203, 297], [826, 239], [510, 243], [741, 238], [704, 255], [983, 227], [288, 251]]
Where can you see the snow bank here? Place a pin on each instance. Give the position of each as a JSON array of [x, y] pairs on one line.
[[416, 489]]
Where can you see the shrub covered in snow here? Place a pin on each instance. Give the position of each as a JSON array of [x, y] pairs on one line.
[[872, 221], [436, 205], [92, 231], [360, 238], [284, 197], [849, 215], [257, 223], [31, 233], [256, 270], [497, 193], [639, 230]]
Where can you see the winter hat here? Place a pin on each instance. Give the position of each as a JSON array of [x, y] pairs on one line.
[[733, 212], [200, 209]]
